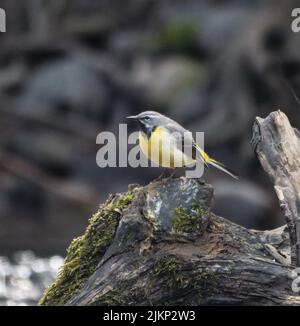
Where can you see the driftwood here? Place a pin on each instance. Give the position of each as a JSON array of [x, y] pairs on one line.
[[277, 145]]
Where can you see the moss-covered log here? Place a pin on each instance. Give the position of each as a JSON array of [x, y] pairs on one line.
[[161, 244], [86, 251]]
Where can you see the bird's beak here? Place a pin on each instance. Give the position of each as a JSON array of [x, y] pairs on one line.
[[132, 117]]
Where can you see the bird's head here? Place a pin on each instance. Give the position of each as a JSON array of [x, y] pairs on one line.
[[149, 119]]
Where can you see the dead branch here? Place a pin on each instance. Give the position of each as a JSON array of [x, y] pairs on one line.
[[277, 145]]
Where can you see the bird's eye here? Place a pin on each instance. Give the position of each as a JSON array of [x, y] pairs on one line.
[[147, 118]]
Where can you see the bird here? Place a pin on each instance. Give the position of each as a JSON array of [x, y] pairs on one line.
[[168, 144]]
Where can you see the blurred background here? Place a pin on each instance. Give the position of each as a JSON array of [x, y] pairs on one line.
[[70, 69]]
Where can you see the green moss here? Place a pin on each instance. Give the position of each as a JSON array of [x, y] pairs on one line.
[[111, 298], [86, 251], [123, 293], [186, 220], [176, 36], [169, 269], [179, 278]]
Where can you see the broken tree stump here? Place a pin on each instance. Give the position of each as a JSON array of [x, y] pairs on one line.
[[277, 145]]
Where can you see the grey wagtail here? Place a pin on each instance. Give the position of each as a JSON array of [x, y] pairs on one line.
[[166, 143]]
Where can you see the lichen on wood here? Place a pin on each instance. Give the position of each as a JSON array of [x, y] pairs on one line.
[[188, 220]]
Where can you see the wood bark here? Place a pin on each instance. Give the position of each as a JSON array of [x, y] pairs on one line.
[[277, 145]]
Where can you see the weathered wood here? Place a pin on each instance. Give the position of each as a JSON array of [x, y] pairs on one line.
[[277, 145], [167, 248]]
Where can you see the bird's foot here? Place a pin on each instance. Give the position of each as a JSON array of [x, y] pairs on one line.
[[161, 176]]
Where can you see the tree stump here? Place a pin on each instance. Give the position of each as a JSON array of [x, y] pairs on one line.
[[161, 245], [277, 145]]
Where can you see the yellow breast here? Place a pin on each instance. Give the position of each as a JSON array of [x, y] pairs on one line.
[[161, 149]]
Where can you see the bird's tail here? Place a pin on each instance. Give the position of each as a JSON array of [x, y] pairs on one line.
[[220, 166]]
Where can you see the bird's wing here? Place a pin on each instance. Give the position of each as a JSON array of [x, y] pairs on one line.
[[185, 142]]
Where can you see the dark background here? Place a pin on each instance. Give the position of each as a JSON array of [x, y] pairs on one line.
[[71, 69]]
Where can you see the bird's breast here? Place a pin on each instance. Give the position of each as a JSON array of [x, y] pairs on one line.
[[160, 147], [152, 146]]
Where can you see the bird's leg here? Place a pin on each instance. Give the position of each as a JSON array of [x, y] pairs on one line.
[[162, 175], [173, 173], [170, 176]]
